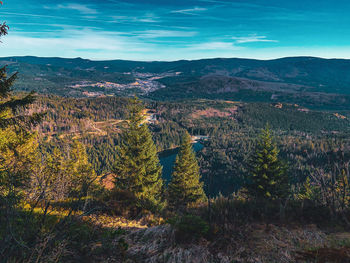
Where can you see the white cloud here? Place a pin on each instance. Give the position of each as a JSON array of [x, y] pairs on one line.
[[252, 39], [163, 33], [83, 9], [118, 45], [143, 19], [29, 15], [214, 1], [73, 44], [148, 20], [190, 11], [214, 46]]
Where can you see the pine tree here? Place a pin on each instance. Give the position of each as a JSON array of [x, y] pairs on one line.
[[269, 179], [11, 107], [137, 168], [185, 187], [3, 27], [14, 136]]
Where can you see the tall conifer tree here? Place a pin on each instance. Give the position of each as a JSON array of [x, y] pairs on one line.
[[16, 142], [10, 116], [185, 187], [269, 179], [137, 168]]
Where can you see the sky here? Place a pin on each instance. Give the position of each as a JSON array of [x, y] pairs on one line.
[[176, 29]]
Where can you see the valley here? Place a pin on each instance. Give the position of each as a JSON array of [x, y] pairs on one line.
[[87, 116], [225, 130], [201, 131]]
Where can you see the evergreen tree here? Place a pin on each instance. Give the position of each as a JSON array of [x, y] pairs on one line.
[[137, 168], [17, 147], [269, 179], [185, 187], [3, 27], [14, 136], [11, 107]]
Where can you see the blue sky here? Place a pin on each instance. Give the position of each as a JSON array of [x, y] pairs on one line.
[[177, 29]]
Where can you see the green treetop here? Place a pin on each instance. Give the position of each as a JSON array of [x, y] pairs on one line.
[[269, 179], [137, 168], [11, 107], [185, 187]]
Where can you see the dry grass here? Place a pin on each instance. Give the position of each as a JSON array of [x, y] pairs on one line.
[[211, 112], [107, 221]]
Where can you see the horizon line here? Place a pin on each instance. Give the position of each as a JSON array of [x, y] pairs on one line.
[[196, 59]]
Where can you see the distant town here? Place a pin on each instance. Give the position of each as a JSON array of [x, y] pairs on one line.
[[144, 84]]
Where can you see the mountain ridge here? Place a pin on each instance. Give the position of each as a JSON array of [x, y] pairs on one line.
[[317, 79]]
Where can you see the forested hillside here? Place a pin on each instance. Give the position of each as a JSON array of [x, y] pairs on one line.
[[313, 82], [306, 137], [323, 74]]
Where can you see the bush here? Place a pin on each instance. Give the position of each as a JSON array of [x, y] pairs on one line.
[[122, 203], [57, 239], [189, 228]]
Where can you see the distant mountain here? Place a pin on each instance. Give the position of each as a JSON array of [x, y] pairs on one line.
[[306, 80]]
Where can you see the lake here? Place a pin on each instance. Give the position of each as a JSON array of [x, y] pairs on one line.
[[167, 159]]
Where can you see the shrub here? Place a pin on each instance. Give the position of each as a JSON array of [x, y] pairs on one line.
[[122, 203], [189, 227]]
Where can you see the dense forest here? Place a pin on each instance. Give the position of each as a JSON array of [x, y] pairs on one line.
[[303, 135]]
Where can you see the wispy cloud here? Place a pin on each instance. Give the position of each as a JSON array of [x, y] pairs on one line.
[[164, 33], [215, 45], [214, 1], [83, 9], [73, 42], [188, 29], [252, 39], [148, 18], [30, 15], [190, 11]]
